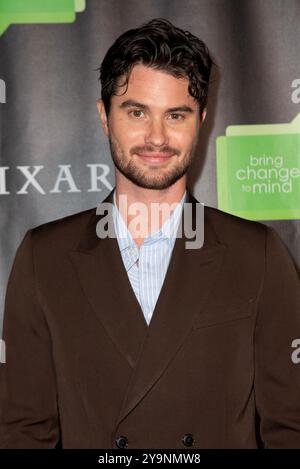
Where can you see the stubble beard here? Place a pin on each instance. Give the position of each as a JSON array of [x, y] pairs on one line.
[[152, 177]]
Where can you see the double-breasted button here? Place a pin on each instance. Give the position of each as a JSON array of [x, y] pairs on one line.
[[188, 439], [121, 442]]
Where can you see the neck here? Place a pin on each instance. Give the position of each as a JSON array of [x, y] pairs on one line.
[[150, 198]]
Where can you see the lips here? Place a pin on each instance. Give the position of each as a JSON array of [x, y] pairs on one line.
[[155, 157]]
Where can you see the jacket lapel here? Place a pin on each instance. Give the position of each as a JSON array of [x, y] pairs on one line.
[[189, 280], [105, 282]]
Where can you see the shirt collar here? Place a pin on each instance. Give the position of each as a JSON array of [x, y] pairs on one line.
[[167, 231]]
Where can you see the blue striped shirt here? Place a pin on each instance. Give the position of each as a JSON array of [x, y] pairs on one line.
[[153, 257]]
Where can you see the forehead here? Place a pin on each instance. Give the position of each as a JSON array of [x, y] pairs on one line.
[[155, 87]]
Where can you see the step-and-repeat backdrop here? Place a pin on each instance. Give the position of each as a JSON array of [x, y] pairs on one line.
[[54, 157]]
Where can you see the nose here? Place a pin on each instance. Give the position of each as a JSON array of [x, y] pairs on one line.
[[156, 134]]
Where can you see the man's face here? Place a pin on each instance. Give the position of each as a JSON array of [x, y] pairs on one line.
[[152, 128]]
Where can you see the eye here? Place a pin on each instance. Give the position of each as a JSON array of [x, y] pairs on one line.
[[136, 113], [177, 117]]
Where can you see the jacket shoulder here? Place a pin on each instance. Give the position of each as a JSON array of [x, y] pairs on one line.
[[64, 231], [233, 229]]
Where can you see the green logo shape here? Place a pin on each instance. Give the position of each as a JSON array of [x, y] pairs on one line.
[[38, 11], [258, 171]]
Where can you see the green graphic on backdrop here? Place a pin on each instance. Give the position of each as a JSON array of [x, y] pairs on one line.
[[258, 171], [38, 11]]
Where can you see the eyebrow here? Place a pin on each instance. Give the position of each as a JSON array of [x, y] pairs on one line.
[[130, 103]]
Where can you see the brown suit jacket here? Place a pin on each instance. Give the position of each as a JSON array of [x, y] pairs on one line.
[[83, 367]]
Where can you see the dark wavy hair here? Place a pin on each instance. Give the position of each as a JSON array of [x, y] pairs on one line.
[[160, 45]]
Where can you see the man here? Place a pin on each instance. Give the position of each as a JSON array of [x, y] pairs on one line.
[[134, 340]]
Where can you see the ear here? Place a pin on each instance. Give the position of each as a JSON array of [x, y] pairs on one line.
[[103, 116]]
